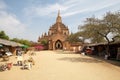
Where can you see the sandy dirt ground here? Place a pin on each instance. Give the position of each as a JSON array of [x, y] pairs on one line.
[[53, 65]]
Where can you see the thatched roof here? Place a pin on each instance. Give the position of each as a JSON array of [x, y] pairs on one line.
[[97, 44], [10, 43]]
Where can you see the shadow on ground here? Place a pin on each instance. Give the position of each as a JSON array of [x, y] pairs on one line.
[[111, 61], [80, 59], [97, 59]]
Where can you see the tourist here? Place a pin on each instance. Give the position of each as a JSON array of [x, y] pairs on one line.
[[19, 57]]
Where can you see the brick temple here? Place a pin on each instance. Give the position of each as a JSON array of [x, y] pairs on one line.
[[57, 35]]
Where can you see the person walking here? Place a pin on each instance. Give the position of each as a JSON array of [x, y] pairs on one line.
[[19, 58]]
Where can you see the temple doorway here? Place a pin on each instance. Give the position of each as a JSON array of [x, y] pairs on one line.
[[58, 45]]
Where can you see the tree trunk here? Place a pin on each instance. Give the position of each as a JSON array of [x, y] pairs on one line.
[[107, 47]]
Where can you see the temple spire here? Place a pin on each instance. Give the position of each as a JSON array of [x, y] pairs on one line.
[[58, 20], [58, 12]]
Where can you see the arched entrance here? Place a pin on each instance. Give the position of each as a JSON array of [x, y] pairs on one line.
[[58, 45]]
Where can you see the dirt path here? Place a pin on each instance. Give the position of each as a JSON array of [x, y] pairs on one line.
[[52, 66]]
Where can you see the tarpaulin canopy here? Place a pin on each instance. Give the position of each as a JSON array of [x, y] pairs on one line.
[[25, 46]]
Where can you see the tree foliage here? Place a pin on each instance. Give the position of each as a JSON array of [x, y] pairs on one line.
[[3, 35], [44, 42], [22, 41], [101, 30], [90, 30], [74, 38]]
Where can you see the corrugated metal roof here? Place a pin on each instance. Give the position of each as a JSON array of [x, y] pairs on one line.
[[104, 43], [10, 43]]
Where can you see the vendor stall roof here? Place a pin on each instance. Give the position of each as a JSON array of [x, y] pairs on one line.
[[9, 43]]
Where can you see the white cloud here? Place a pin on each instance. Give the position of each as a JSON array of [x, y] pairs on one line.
[[43, 11], [74, 12], [9, 23], [70, 7], [85, 6]]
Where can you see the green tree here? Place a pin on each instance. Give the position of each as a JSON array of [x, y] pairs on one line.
[[3, 35], [74, 37], [90, 30], [98, 30], [15, 39], [44, 42], [22, 41], [111, 22]]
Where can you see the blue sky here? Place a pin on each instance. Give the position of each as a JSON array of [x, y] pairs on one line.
[[28, 19]]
